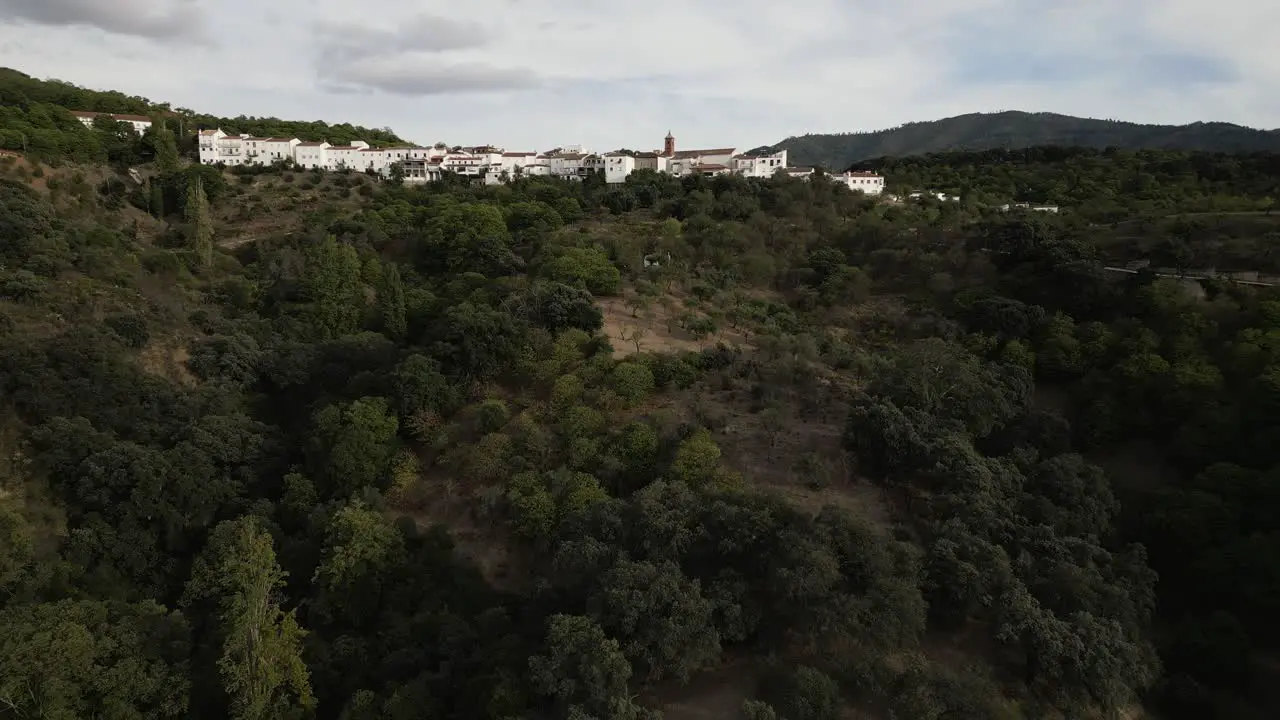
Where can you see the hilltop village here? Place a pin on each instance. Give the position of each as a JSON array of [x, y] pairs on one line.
[[495, 165]]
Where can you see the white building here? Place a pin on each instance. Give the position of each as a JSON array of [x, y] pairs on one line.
[[465, 163], [617, 166], [269, 151], [218, 147], [312, 155], [540, 167], [714, 161], [514, 162], [868, 182], [421, 170], [654, 161], [760, 165], [140, 123]]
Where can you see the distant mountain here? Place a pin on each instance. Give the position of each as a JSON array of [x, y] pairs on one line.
[[986, 131]]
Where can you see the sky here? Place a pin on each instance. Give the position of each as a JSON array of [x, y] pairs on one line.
[[536, 74]]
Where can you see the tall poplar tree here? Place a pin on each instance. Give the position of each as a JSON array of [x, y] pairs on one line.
[[391, 303], [262, 671], [166, 148], [199, 223]]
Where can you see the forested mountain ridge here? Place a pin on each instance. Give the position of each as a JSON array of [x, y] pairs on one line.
[[282, 444], [34, 120], [1015, 129]]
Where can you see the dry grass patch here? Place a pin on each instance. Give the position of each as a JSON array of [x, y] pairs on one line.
[[168, 359], [659, 330]]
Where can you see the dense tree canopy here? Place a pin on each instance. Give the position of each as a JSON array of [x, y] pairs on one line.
[[566, 450]]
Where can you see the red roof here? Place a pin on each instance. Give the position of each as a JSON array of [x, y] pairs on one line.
[[279, 139], [519, 154], [861, 174], [310, 144]]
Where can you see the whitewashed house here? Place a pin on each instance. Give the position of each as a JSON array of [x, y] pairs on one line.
[[760, 165], [464, 163], [216, 146], [312, 155], [868, 182], [514, 162], [540, 167], [420, 170], [567, 165], [139, 123], [713, 161], [346, 156], [617, 166], [651, 161], [274, 150]]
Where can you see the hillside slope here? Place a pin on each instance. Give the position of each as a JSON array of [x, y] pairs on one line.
[[34, 120], [1013, 129]]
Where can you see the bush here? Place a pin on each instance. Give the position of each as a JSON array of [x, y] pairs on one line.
[[132, 329], [21, 286], [632, 381], [586, 266]]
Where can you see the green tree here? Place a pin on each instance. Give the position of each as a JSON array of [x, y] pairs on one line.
[[467, 237], [199, 221], [583, 671], [261, 666], [332, 284], [660, 618], [391, 305], [166, 148], [533, 505], [633, 381], [354, 445], [697, 459], [155, 198], [361, 548], [77, 659], [586, 266]]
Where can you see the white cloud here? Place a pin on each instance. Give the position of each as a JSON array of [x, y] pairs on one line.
[[608, 73]]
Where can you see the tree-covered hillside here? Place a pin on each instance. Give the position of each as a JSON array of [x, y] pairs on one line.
[[281, 444], [35, 120], [1015, 130], [1102, 185]]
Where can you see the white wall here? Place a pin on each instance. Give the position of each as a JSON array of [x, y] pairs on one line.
[[618, 167], [866, 182]]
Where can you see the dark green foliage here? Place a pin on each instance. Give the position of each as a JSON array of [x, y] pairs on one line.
[[1015, 130], [280, 443]]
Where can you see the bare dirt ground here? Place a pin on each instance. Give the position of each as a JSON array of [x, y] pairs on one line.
[[711, 695], [659, 330], [168, 359], [435, 500]]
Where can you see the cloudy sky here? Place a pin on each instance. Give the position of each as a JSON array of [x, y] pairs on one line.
[[608, 73]]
